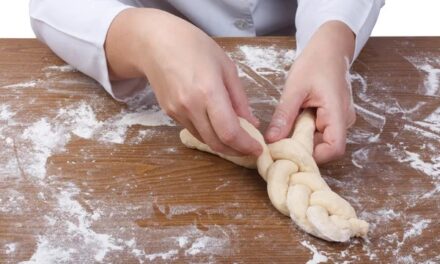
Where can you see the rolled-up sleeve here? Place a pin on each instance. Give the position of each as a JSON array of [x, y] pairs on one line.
[[359, 15], [76, 31]]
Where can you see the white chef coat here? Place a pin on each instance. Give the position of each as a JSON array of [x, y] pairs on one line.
[[76, 30]]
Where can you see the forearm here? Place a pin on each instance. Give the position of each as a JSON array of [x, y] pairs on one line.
[[125, 43], [334, 40], [360, 16]]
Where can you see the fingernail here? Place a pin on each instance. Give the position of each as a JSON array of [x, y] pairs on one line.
[[274, 132], [255, 121], [258, 151]]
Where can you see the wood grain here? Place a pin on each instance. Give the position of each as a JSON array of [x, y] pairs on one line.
[[153, 191]]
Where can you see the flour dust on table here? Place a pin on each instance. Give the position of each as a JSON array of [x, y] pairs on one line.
[[59, 132]]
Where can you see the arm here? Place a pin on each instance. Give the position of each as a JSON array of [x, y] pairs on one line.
[[330, 34], [359, 16], [193, 79], [74, 31]]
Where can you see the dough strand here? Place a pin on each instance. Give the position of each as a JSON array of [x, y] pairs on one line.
[[294, 183]]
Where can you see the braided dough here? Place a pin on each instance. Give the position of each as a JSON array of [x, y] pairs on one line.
[[294, 183]]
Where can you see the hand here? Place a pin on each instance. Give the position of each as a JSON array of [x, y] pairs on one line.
[[194, 80], [318, 79]]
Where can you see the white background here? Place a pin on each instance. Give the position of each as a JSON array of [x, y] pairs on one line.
[[398, 18]]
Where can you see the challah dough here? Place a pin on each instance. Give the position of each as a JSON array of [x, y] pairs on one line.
[[294, 183]]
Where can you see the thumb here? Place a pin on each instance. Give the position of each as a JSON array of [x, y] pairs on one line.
[[237, 94], [285, 114]]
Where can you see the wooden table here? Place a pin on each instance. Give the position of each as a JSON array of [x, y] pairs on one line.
[[86, 179]]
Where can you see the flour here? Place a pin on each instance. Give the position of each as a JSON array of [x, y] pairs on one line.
[[434, 117], [183, 241], [388, 214], [10, 248], [49, 136], [432, 73], [5, 112], [181, 210], [429, 167], [29, 84], [371, 117], [73, 224], [80, 120], [60, 68], [359, 157], [424, 133], [46, 253], [74, 218], [318, 257], [12, 202], [416, 229], [44, 139], [201, 245], [164, 256], [266, 59]]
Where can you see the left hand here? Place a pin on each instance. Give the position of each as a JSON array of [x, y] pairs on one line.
[[318, 79]]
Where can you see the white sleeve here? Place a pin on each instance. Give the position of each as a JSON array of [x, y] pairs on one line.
[[76, 32], [359, 15]]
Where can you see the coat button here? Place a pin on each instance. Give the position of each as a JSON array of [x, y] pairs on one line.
[[242, 24]]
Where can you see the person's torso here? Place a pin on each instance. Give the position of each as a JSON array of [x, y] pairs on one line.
[[231, 17]]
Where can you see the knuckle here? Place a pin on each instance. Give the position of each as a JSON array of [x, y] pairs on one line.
[[229, 135], [184, 103], [231, 67], [339, 150], [280, 118], [217, 147], [170, 110], [204, 88], [351, 118], [282, 114]]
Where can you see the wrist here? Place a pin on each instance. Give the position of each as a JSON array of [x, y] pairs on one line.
[[333, 40], [127, 44]]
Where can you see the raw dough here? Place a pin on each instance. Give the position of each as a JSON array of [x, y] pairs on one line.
[[294, 183]]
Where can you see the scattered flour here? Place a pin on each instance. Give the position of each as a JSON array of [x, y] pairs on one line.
[[360, 156], [432, 80], [371, 117], [10, 248], [73, 223], [12, 202], [71, 228], [60, 68], [44, 139], [47, 253], [29, 84], [183, 241], [317, 257], [164, 256], [5, 112], [434, 117], [430, 168], [213, 244], [262, 59], [416, 229], [388, 214], [80, 119], [181, 210]]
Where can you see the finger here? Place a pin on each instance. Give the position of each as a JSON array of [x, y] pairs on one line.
[[203, 125], [192, 129], [333, 128], [285, 114], [227, 127], [237, 94], [317, 138], [351, 117]]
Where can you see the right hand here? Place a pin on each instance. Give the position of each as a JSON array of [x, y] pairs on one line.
[[195, 82]]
